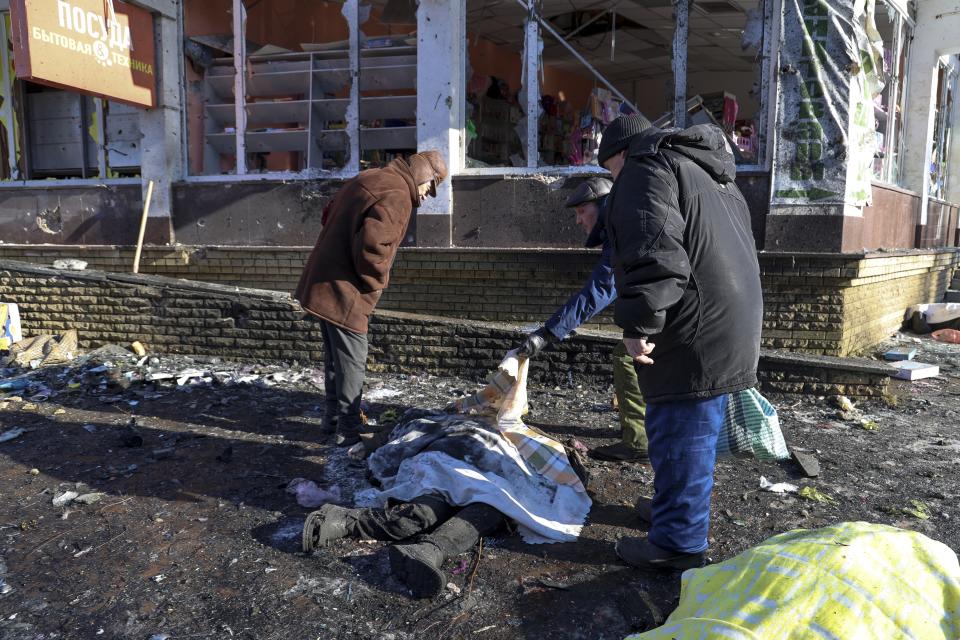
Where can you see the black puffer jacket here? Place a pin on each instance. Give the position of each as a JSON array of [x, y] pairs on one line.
[[686, 265]]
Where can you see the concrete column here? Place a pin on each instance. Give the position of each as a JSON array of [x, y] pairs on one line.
[[440, 86], [161, 147], [934, 35]]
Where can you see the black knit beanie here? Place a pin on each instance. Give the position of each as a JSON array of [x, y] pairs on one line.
[[616, 137]]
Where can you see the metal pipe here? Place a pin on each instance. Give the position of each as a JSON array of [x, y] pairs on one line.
[[681, 33], [549, 29], [590, 21]]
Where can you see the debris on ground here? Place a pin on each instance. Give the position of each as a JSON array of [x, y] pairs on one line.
[[70, 264], [815, 495], [913, 370], [64, 498], [918, 509], [779, 487], [42, 351], [12, 434], [226, 536], [310, 495], [808, 463], [951, 336], [900, 353]]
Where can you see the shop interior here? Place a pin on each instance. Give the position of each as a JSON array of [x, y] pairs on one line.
[[627, 43]]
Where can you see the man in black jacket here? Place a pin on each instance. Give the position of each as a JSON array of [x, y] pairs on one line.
[[690, 306]]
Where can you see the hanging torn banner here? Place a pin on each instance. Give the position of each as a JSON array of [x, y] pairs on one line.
[[831, 68]]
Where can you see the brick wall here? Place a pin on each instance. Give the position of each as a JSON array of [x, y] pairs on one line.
[[483, 284], [841, 305], [196, 318], [815, 303], [177, 316]]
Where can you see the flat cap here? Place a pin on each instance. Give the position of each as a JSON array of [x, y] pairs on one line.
[[589, 190]]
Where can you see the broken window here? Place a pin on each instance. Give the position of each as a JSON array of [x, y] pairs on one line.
[[894, 30], [52, 133], [299, 112], [727, 74], [494, 63], [595, 62], [946, 89]]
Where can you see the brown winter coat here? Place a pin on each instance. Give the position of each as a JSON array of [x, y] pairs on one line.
[[350, 265]]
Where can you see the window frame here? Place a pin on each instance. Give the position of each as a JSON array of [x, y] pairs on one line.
[[903, 36], [766, 115], [239, 22]]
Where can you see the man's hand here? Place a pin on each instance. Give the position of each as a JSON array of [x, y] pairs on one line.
[[535, 343], [639, 349]]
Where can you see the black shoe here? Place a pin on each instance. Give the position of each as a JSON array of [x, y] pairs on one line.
[[619, 452], [644, 509], [348, 432], [418, 567], [328, 523], [643, 554]]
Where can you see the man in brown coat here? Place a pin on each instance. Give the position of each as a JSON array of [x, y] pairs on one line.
[[350, 267]]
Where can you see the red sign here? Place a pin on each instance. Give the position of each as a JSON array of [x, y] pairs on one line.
[[99, 47]]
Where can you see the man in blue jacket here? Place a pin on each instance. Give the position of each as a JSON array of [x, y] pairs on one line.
[[589, 202]]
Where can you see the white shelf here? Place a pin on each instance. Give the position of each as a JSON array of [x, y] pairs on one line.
[[261, 141], [280, 111], [389, 138], [381, 107], [320, 75]]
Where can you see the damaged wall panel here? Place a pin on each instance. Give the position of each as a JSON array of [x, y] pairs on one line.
[[493, 211], [254, 213], [81, 215]]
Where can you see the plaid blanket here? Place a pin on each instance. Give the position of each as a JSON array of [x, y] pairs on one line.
[[545, 455], [507, 391]]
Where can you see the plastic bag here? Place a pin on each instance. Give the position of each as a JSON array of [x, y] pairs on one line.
[[751, 426], [946, 335]]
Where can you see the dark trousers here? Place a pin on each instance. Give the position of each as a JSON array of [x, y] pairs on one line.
[[683, 450], [344, 367], [453, 529]]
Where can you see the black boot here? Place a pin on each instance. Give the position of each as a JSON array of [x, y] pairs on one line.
[[348, 431], [419, 565], [328, 523]]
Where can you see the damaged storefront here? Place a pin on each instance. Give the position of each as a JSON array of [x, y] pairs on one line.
[[840, 116]]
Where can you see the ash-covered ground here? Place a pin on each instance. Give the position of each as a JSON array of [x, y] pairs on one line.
[[181, 526]]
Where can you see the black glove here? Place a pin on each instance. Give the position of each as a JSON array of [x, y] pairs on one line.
[[535, 342]]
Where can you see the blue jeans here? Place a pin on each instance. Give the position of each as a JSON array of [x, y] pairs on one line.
[[683, 449]]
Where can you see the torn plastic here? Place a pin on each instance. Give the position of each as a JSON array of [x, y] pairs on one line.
[[310, 495], [828, 76], [779, 487]]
